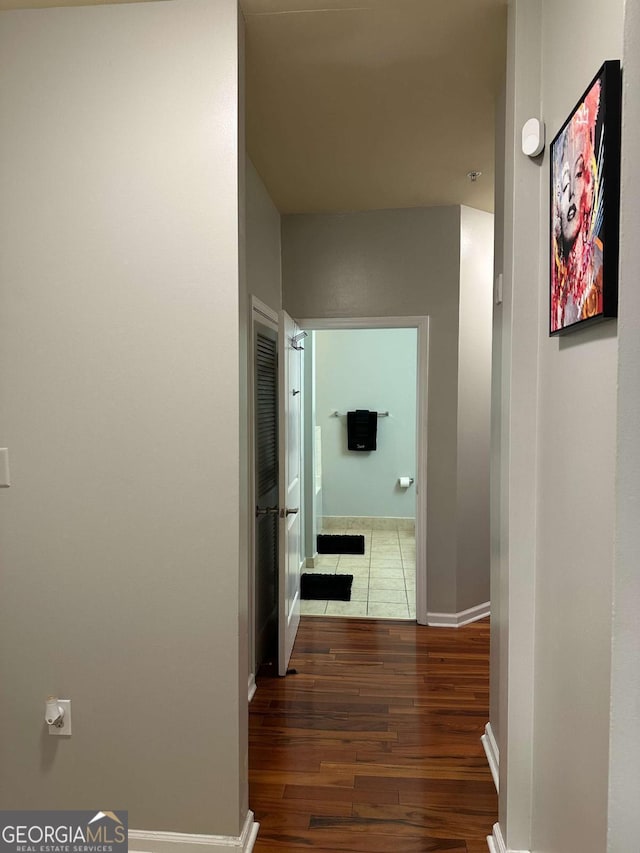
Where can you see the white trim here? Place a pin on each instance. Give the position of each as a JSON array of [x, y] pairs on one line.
[[496, 842], [493, 754], [457, 620], [421, 323], [182, 842], [261, 308], [252, 686], [321, 324], [346, 522]]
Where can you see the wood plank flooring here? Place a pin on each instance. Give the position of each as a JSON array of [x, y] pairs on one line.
[[375, 744]]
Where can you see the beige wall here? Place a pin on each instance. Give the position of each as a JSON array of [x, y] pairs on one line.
[[624, 757], [245, 509], [119, 404], [396, 263], [496, 421], [559, 403], [474, 401], [576, 502], [264, 273], [516, 389]]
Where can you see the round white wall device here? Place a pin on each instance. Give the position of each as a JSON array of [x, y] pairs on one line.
[[532, 137]]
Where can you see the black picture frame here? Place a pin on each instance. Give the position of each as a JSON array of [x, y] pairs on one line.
[[585, 207]]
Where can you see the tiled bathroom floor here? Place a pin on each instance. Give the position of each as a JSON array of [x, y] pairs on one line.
[[384, 578]]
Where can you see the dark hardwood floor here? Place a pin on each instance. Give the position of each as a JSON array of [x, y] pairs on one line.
[[375, 744]]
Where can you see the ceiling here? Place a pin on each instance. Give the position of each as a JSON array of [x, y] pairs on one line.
[[365, 104], [6, 5]]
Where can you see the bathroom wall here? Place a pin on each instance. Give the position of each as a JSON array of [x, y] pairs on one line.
[[367, 369]]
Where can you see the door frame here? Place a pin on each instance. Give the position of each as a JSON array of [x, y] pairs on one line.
[[421, 324], [290, 402], [262, 315]]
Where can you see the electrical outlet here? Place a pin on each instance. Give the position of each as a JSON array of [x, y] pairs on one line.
[[65, 728]]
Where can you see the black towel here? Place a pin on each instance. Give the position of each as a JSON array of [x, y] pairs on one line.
[[326, 543], [329, 587], [362, 428]]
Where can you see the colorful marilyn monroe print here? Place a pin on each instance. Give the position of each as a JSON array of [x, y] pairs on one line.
[[585, 168]]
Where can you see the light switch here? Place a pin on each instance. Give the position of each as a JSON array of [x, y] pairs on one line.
[[5, 480]]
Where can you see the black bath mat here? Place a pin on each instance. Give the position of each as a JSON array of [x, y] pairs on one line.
[[332, 544], [330, 587]]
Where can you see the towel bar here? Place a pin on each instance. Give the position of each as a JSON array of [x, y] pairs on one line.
[[337, 414]]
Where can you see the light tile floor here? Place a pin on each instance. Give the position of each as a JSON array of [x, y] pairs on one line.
[[384, 578]]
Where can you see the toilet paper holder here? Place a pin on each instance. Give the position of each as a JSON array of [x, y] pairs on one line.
[[405, 482]]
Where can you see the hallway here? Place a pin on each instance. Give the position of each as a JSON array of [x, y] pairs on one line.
[[375, 744]]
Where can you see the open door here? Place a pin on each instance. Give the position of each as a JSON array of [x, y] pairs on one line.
[[290, 368], [264, 604]]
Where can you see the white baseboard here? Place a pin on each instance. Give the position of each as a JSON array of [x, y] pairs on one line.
[[252, 686], [311, 561], [142, 841], [496, 843], [493, 754], [457, 620], [348, 522]]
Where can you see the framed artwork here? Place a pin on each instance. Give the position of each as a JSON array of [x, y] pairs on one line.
[[585, 203]]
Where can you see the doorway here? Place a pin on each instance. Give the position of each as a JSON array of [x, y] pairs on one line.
[[381, 495], [269, 616]]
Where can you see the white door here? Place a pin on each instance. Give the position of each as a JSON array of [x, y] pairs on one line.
[[290, 368]]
